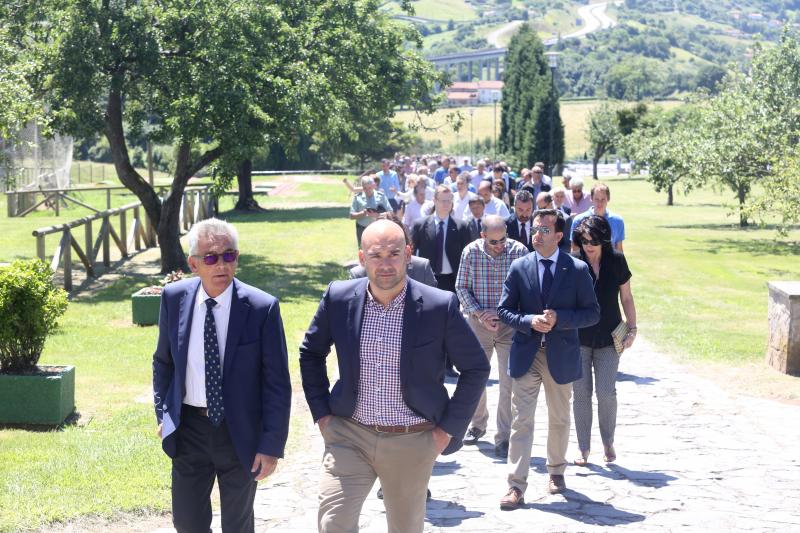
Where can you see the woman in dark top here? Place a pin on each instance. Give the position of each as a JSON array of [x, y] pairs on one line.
[[612, 285]]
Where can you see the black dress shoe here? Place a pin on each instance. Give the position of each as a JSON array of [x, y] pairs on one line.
[[473, 435], [501, 450]]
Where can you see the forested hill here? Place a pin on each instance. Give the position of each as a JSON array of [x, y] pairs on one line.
[[658, 48]]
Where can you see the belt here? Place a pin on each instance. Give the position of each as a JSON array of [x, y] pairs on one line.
[[413, 428], [202, 411]]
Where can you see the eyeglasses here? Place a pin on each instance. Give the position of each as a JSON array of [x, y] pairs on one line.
[[212, 259], [590, 242], [544, 230], [495, 242]]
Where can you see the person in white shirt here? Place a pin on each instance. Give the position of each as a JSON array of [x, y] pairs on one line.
[[461, 198], [418, 207], [494, 205], [479, 174]]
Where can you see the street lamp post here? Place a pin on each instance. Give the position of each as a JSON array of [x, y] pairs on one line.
[[471, 145], [552, 62], [494, 101]]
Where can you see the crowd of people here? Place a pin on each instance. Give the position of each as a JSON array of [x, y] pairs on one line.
[[456, 264], [471, 224]]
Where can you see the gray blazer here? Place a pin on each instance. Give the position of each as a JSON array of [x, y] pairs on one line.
[[419, 269]]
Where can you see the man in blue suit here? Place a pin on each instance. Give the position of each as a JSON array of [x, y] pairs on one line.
[[220, 384], [546, 297], [389, 415]]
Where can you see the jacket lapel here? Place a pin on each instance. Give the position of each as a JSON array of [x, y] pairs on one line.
[[355, 314], [533, 276], [412, 317], [240, 307], [561, 267], [185, 324]]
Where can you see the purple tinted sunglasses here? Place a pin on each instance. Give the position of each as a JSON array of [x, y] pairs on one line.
[[211, 259]]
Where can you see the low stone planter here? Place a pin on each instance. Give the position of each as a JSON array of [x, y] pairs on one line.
[[783, 346], [145, 307], [44, 398]]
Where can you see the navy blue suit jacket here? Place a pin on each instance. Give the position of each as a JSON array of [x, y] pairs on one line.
[[433, 327], [256, 388], [571, 297]]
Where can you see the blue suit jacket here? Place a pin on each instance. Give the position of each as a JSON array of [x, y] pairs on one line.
[[571, 297], [256, 388], [433, 327]]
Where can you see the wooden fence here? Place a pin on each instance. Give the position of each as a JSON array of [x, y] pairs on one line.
[[197, 204]]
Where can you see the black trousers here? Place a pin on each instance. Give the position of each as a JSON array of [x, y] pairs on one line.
[[446, 282], [204, 453]]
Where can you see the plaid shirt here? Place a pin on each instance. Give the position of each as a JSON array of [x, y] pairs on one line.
[[380, 396], [479, 283]]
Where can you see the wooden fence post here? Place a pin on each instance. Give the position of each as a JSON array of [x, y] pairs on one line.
[[66, 249]]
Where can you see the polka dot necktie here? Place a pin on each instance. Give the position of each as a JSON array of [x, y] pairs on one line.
[[216, 411]]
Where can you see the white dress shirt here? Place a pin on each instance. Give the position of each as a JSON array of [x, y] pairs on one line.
[[447, 268], [460, 206], [496, 206], [415, 211], [196, 357]]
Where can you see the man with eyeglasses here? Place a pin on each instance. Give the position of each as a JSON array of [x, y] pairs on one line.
[[484, 265], [547, 296], [221, 384]]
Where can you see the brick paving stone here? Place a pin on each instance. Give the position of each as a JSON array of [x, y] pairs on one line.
[[691, 457]]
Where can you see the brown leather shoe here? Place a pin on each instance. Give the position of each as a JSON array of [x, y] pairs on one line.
[[512, 500], [556, 485]]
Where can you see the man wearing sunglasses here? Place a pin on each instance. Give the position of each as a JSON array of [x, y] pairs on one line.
[[484, 265], [221, 384], [546, 297]]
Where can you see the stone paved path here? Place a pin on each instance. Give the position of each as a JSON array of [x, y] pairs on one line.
[[691, 457]]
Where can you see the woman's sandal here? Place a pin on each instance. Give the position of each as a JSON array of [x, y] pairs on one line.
[[583, 459], [610, 455]]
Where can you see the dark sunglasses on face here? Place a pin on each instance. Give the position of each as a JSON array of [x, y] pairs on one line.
[[495, 242], [544, 230], [228, 256], [589, 241]]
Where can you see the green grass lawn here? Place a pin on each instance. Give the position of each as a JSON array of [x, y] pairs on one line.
[[442, 10], [699, 284], [574, 114], [111, 461]]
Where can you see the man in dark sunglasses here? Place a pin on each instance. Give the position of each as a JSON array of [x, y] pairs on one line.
[[221, 384]]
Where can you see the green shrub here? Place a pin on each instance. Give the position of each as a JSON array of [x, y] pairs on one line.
[[30, 306]]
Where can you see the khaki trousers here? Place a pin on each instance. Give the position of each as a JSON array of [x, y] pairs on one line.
[[524, 392], [499, 341], [354, 457]]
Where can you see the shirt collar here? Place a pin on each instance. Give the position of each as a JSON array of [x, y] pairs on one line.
[[553, 258], [396, 301], [440, 219], [223, 300]]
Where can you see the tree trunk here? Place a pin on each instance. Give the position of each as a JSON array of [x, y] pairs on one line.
[[595, 160], [127, 175], [669, 194], [165, 216], [244, 176], [742, 194]]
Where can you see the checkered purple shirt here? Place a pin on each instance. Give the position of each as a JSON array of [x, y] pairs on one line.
[[380, 396], [479, 284]]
